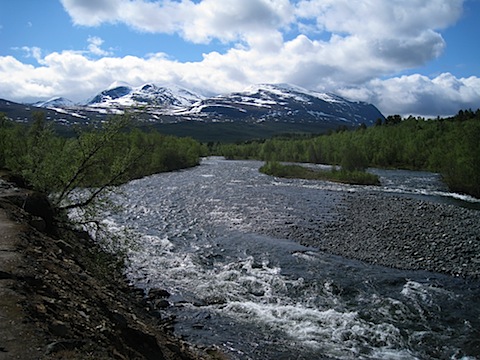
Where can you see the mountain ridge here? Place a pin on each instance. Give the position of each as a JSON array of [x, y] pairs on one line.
[[272, 108], [285, 102]]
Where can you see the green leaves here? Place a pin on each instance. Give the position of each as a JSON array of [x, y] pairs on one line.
[[353, 159], [356, 177], [449, 146], [96, 158]]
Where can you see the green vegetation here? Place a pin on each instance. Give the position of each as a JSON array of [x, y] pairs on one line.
[[98, 158], [449, 146], [230, 132], [354, 177], [115, 151]]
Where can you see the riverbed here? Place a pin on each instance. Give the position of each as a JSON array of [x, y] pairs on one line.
[[269, 268]]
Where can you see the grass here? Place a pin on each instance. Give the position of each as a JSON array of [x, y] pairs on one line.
[[300, 172]]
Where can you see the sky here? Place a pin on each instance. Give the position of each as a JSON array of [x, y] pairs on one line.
[[407, 57]]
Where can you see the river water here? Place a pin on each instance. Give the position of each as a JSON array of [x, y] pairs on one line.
[[202, 234]]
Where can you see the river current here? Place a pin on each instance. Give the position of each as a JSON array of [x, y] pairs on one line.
[[202, 234]]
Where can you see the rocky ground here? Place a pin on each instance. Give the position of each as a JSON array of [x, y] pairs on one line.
[[62, 298], [400, 232]]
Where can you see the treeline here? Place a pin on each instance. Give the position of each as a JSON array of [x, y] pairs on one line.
[[102, 156], [450, 146]]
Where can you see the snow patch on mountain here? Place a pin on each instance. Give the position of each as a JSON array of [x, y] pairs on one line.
[[257, 103], [117, 84], [147, 95], [55, 102], [282, 102], [291, 91]]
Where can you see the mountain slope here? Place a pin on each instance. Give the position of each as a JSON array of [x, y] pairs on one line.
[[161, 97], [56, 102], [261, 110], [284, 102]]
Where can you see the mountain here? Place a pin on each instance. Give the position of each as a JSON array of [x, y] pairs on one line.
[[15, 111], [23, 113], [261, 110], [56, 102], [258, 103], [124, 96], [283, 103]]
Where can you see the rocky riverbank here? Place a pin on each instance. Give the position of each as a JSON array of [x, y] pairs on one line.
[[400, 232], [61, 297]]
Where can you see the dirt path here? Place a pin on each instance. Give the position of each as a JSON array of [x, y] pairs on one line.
[[17, 339]]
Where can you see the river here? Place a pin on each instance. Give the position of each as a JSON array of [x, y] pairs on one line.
[[202, 234]]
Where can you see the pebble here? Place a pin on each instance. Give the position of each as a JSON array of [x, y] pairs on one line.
[[408, 233]]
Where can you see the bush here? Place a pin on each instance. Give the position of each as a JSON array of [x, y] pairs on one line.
[[274, 168], [96, 158], [353, 159]]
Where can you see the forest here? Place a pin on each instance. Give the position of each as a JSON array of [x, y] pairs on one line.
[[116, 151], [449, 146], [100, 156]]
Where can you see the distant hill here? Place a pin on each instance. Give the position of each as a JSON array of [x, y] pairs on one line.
[[259, 111], [56, 102], [284, 103]]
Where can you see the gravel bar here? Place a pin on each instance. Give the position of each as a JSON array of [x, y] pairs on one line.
[[400, 232]]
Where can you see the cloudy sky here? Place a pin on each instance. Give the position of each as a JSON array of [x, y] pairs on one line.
[[416, 57]]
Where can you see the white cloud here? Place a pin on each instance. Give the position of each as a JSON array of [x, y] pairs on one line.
[[202, 20], [199, 22], [233, 20], [230, 20], [92, 12], [16, 83], [379, 18], [94, 46], [374, 37], [346, 46], [420, 95], [75, 76], [32, 52]]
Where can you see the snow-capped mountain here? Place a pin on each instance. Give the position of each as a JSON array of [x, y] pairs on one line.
[[55, 102], [150, 95], [257, 111], [284, 102], [257, 103]]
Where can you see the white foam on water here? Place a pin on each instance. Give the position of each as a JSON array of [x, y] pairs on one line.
[[332, 332], [251, 289], [243, 279], [256, 292], [196, 238], [306, 255], [425, 294]]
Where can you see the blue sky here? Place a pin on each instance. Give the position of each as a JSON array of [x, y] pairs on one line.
[[417, 57]]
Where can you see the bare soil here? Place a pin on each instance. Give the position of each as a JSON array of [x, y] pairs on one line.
[[61, 297]]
